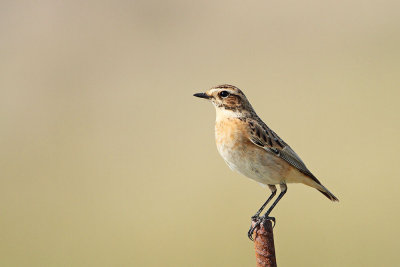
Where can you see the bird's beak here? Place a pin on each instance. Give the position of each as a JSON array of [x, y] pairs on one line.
[[202, 95]]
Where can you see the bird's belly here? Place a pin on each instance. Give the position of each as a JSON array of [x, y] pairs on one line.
[[253, 162]]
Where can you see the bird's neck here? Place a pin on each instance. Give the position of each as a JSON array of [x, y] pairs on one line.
[[223, 114]]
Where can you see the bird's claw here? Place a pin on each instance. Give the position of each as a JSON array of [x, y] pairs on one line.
[[257, 221], [272, 219]]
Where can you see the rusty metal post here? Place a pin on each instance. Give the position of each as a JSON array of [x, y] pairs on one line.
[[264, 245]]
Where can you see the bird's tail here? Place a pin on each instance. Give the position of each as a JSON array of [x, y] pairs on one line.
[[326, 192]]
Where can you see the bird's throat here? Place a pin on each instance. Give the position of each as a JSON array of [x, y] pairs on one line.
[[222, 114]]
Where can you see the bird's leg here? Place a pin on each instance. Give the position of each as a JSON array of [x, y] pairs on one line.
[[283, 192], [273, 193], [256, 217], [266, 217]]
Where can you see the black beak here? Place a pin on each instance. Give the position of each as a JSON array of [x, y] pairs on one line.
[[202, 95]]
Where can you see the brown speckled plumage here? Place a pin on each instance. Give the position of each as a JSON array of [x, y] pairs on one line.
[[251, 148]]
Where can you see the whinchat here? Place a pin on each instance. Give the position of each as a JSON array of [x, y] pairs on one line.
[[251, 148]]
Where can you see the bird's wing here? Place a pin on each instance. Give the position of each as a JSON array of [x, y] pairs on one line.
[[264, 137]]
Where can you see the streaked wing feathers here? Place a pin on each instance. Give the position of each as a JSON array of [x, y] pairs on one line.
[[264, 137]]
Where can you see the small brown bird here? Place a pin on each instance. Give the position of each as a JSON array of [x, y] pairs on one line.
[[251, 148]]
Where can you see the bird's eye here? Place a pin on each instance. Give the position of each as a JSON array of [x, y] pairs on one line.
[[223, 94]]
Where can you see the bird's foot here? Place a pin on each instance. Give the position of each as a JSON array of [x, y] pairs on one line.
[[257, 221]]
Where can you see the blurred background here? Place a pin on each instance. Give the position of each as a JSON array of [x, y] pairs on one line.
[[108, 160]]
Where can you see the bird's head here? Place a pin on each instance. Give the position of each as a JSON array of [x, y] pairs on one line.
[[227, 99]]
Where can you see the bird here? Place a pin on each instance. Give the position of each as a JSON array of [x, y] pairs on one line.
[[254, 150]]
